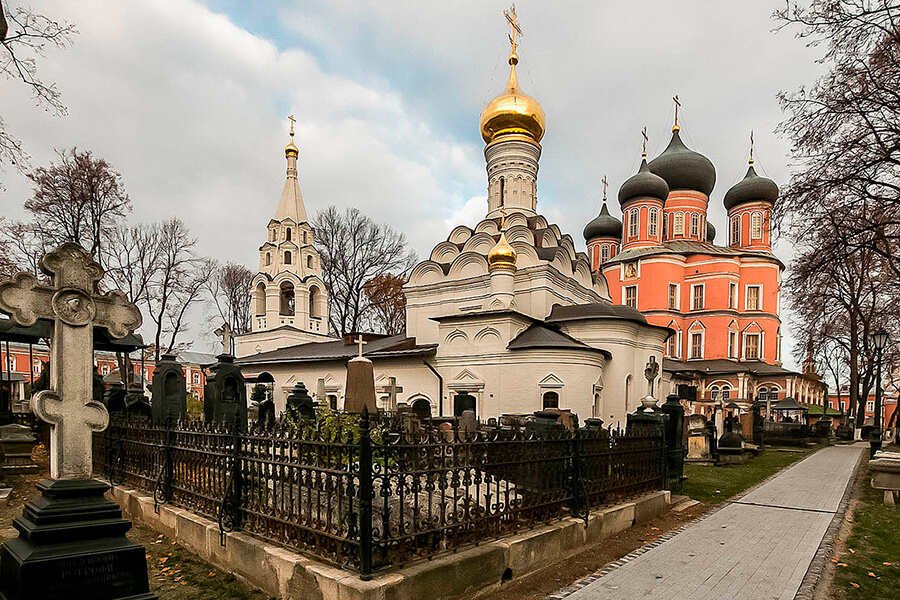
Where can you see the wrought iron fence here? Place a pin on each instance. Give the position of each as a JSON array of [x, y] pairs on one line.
[[367, 495]]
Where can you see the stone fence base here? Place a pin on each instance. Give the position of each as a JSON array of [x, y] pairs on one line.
[[285, 574]]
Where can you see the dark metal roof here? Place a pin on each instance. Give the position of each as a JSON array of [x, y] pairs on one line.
[[541, 336], [594, 310], [710, 232], [603, 225], [751, 188], [684, 169], [788, 404], [397, 345], [43, 330], [721, 366], [201, 359], [643, 184]]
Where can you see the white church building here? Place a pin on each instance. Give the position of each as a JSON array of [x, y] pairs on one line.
[[502, 318]]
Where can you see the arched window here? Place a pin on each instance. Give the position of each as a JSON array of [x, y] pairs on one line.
[[756, 225], [695, 225], [304, 237], [633, 216], [653, 222], [287, 299], [679, 224], [726, 393], [628, 398], [268, 258], [313, 301], [551, 400], [735, 230], [260, 300], [287, 257], [714, 393], [287, 234], [309, 262], [604, 252]]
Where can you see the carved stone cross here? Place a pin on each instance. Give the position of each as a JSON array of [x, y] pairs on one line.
[[361, 342], [226, 334], [72, 302]]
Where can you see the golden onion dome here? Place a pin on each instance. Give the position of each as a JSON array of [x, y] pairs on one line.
[[502, 255], [513, 111], [291, 149]]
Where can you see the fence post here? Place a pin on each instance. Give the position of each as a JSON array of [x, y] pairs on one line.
[[674, 447], [162, 492], [365, 496]]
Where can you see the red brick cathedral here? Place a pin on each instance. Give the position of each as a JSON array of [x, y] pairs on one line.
[[722, 302]]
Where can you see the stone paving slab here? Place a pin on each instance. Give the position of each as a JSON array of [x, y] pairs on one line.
[[759, 547]]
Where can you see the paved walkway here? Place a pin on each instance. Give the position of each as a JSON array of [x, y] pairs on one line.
[[757, 548]]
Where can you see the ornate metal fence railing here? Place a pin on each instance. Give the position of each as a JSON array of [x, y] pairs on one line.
[[367, 495]]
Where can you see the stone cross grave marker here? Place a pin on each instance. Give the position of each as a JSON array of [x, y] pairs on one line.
[[74, 305], [391, 389], [226, 335]]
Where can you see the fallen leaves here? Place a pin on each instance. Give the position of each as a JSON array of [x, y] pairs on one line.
[[854, 584]]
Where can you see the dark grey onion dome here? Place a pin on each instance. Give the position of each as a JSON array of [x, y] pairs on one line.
[[684, 169], [752, 188], [604, 225], [643, 184], [710, 232]]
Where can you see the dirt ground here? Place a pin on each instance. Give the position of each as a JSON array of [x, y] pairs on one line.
[[175, 573], [540, 584]]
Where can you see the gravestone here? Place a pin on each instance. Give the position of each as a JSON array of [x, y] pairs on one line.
[[16, 443], [699, 442], [265, 414], [71, 541], [300, 403], [169, 392], [468, 424], [115, 400], [360, 384], [225, 393], [136, 403]]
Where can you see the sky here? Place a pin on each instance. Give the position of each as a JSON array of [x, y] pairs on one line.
[[188, 100]]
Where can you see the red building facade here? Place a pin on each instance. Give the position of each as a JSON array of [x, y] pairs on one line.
[[722, 301]]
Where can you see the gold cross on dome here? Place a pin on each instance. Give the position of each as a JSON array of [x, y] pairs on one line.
[[515, 31], [605, 183], [292, 119], [751, 146], [677, 106], [646, 139]]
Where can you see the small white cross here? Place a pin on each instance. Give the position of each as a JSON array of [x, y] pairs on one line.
[[361, 342]]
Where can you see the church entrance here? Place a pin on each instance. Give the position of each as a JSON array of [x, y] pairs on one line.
[[422, 409], [463, 401]]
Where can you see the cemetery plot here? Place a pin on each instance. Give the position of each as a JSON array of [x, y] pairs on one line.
[[370, 494]]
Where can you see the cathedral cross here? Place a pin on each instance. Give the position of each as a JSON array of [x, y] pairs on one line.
[[677, 106], [515, 31], [751, 146], [71, 301], [646, 139], [605, 183], [292, 119], [226, 334], [361, 342]]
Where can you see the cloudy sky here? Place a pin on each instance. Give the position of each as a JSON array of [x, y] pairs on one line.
[[188, 99]]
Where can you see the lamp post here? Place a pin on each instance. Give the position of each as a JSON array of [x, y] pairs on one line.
[[879, 339]]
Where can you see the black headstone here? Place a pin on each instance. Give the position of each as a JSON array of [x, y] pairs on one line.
[[115, 400], [137, 405], [300, 403], [225, 393], [169, 390], [266, 417]]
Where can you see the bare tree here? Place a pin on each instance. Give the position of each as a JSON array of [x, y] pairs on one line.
[[229, 291], [24, 37], [78, 199], [355, 249], [387, 302], [177, 284], [20, 248]]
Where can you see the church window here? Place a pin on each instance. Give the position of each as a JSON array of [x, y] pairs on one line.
[[732, 344], [551, 400], [304, 237], [714, 393], [287, 257], [604, 252], [595, 255], [633, 222], [268, 258], [736, 230], [287, 299], [696, 345], [673, 345], [679, 224], [756, 225], [653, 226], [313, 301], [732, 295], [752, 297], [502, 190], [287, 234], [697, 296], [673, 296], [309, 262], [695, 225], [631, 296], [628, 392], [778, 344], [751, 346], [272, 235], [260, 299], [726, 393]]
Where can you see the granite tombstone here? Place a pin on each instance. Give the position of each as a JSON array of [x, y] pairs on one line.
[[169, 392]]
